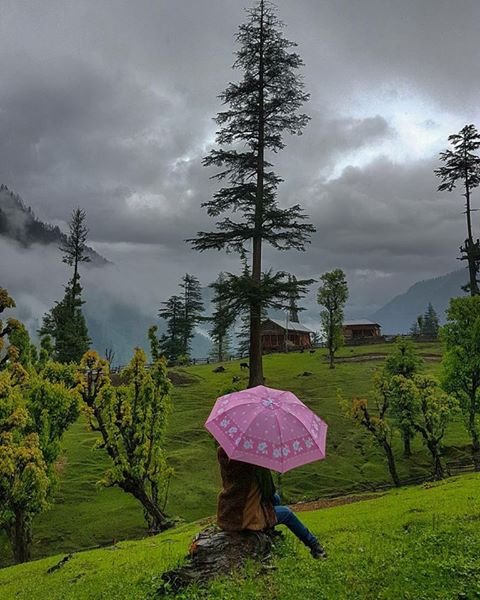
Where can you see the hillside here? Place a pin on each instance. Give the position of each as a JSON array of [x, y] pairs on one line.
[[85, 515], [421, 542], [401, 312], [19, 223]]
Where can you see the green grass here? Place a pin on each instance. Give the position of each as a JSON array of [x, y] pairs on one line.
[[85, 515], [414, 543]]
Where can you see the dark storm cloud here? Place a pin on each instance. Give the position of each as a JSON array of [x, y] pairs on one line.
[[109, 106]]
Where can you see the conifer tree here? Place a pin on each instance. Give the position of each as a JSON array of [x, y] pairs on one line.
[[222, 320], [171, 343], [65, 322], [192, 310], [462, 164], [430, 322], [262, 107]]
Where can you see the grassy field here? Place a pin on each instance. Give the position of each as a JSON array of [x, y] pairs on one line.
[[419, 543], [85, 515]]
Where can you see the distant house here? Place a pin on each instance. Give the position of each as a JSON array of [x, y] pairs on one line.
[[361, 329], [274, 336]]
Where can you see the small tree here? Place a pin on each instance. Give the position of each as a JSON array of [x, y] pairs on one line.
[[132, 419], [428, 410], [461, 363], [375, 421], [403, 362], [37, 404], [430, 323], [332, 295], [462, 164]]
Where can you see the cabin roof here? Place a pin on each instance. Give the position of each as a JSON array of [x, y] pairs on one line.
[[292, 325], [360, 322]]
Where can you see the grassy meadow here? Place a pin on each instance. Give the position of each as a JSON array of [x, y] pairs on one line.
[[417, 543], [86, 515]]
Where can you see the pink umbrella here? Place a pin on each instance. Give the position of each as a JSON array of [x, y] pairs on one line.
[[267, 427]]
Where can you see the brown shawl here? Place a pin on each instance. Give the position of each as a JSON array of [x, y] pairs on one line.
[[240, 504]]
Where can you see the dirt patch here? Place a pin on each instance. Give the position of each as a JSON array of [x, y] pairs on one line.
[[330, 502], [361, 357], [176, 377], [181, 378], [61, 464]]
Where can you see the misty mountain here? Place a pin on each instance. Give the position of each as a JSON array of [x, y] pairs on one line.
[[112, 321], [398, 315], [19, 223]]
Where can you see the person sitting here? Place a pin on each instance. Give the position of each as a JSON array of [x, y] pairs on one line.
[[248, 501]]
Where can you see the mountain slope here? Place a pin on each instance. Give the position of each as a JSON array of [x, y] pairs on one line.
[[400, 313], [19, 223]]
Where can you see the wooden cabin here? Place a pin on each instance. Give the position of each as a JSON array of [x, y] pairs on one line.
[[362, 329], [275, 335]]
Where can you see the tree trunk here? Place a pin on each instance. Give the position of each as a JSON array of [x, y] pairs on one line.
[[438, 471], [407, 450], [472, 267], [213, 553], [255, 355], [391, 463], [474, 434], [156, 518], [331, 358], [20, 536]]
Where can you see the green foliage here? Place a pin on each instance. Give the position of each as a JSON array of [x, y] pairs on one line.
[[67, 326], [36, 407], [375, 421], [131, 419], [418, 403], [332, 295], [404, 360], [461, 365]]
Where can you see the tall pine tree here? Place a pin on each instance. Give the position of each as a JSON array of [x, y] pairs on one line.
[[262, 106], [65, 322]]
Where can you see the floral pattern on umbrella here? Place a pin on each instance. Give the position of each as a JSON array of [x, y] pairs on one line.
[[268, 427]]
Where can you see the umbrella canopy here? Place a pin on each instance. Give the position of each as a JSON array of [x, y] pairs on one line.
[[267, 427]]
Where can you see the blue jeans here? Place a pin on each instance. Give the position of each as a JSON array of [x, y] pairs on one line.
[[287, 517]]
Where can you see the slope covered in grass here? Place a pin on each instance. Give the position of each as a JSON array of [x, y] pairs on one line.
[[419, 543], [86, 515]]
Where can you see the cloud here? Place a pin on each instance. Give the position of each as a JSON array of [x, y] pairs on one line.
[[109, 106]]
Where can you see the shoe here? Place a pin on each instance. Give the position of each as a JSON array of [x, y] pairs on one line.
[[317, 551]]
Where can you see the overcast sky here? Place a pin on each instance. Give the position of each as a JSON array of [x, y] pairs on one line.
[[108, 105]]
